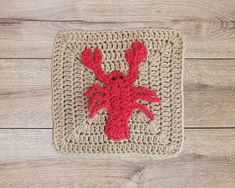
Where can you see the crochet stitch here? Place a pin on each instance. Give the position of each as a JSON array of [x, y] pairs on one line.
[[119, 95], [79, 128]]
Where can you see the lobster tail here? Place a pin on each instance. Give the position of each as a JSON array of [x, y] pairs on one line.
[[117, 129]]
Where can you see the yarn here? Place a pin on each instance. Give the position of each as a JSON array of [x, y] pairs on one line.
[[119, 96], [77, 130]]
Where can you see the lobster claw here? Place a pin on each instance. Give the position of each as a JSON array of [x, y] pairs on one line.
[[92, 60], [137, 53]]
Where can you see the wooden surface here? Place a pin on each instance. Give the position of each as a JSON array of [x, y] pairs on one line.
[[27, 33]]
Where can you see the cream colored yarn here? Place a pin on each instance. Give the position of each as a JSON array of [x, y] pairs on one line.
[[162, 72]]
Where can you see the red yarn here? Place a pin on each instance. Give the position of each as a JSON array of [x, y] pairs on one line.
[[119, 96]]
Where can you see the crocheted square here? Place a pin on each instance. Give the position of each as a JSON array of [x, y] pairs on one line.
[[118, 92]]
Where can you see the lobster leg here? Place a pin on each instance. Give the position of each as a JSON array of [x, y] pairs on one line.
[[144, 109], [97, 94], [144, 91], [148, 98], [96, 98], [146, 94], [97, 108], [95, 89]]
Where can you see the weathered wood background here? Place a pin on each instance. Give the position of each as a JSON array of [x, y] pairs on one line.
[[27, 33]]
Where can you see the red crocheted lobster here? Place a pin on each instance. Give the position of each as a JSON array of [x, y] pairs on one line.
[[119, 95]]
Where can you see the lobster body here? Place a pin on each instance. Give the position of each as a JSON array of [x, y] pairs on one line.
[[119, 96], [120, 110]]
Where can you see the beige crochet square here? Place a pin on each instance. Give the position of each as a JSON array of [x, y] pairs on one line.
[[162, 71]]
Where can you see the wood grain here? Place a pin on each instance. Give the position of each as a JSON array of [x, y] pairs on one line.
[[120, 11], [30, 39], [25, 93], [27, 155], [28, 29], [28, 159]]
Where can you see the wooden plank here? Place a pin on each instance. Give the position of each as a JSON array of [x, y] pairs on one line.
[[28, 159], [208, 25], [209, 87], [20, 39], [25, 94], [120, 11]]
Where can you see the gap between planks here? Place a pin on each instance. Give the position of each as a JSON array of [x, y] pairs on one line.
[[50, 128], [13, 20], [188, 58]]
